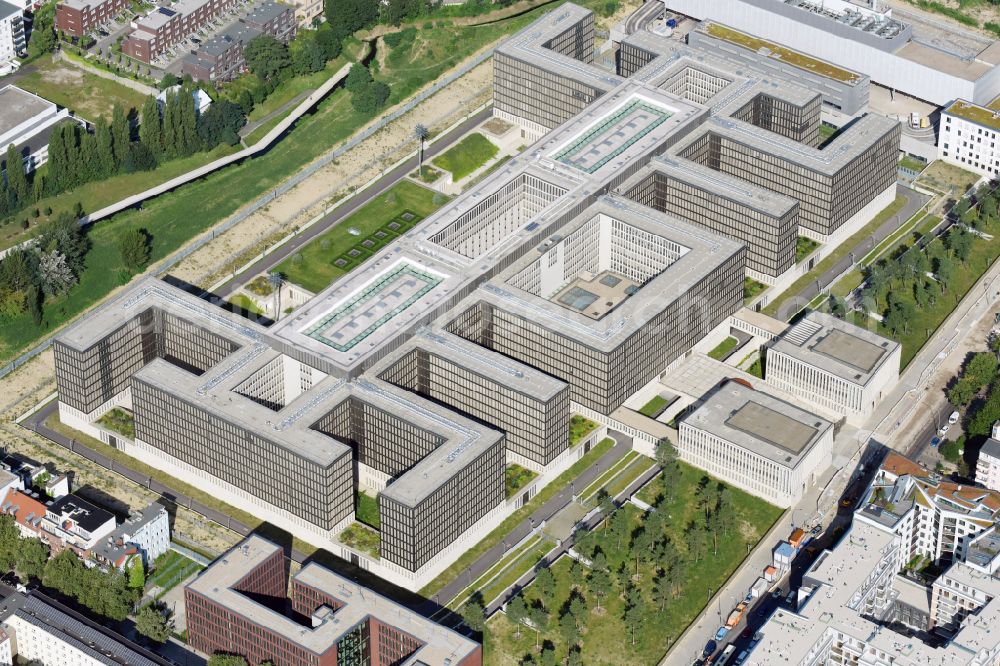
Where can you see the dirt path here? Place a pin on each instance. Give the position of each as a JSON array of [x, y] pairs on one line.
[[302, 203]]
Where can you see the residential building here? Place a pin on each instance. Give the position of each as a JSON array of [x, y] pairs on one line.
[[72, 521], [40, 630], [12, 40], [233, 607], [988, 465], [968, 137], [77, 18], [757, 442], [146, 534], [920, 56], [221, 57], [28, 511], [839, 367], [937, 520], [27, 122], [308, 11], [158, 31]]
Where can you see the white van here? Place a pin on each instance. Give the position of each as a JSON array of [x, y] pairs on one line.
[[953, 419]]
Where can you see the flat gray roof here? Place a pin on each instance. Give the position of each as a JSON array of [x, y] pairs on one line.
[[842, 349], [759, 422], [217, 581], [18, 105]]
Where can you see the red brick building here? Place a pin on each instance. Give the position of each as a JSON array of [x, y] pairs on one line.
[[154, 34], [237, 605], [78, 17], [220, 58]]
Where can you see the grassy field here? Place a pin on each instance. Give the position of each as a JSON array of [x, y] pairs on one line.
[[842, 250], [378, 222], [722, 350], [517, 477], [804, 247], [751, 288], [607, 640], [579, 427], [96, 195], [521, 563], [653, 408], [119, 421], [170, 570], [86, 94], [497, 535], [367, 510], [947, 178], [244, 302], [466, 156], [362, 538]]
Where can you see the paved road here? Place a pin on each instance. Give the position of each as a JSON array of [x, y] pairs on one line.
[[623, 444], [914, 200], [643, 15], [351, 205]]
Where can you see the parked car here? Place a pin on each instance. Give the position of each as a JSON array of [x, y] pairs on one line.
[[816, 529], [944, 429], [721, 633], [935, 441], [709, 648], [953, 419]]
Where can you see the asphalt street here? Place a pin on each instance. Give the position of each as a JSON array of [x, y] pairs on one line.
[[350, 205]]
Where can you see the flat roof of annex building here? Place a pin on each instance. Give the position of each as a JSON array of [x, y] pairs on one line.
[[706, 251], [760, 423], [19, 105], [216, 583], [831, 344]]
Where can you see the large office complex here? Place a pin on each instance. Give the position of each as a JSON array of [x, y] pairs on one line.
[[968, 137], [841, 368], [760, 187], [561, 282], [757, 442], [234, 606], [920, 56]]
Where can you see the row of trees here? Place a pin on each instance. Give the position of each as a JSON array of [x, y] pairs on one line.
[[640, 561], [77, 156], [107, 594]]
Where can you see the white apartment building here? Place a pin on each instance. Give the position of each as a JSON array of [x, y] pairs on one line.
[[968, 137], [988, 464], [26, 122], [145, 533], [757, 442], [39, 630], [850, 598], [935, 519], [12, 41], [841, 368]]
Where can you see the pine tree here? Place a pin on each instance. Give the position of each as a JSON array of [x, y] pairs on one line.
[[120, 134], [187, 123], [151, 128], [170, 137], [17, 182], [87, 158], [104, 156]]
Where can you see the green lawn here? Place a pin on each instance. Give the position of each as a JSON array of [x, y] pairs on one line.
[[757, 369], [366, 510], [836, 255], [912, 163], [523, 562], [466, 156], [723, 349], [244, 302], [517, 477], [378, 222], [170, 570], [88, 95], [497, 535], [363, 538], [653, 408], [119, 421], [751, 289], [579, 427], [804, 247], [607, 640]]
